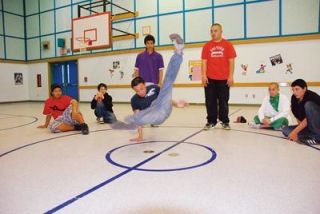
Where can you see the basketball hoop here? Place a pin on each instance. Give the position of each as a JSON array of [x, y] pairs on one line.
[[84, 43]]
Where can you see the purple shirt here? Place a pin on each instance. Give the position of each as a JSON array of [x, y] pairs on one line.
[[149, 66]]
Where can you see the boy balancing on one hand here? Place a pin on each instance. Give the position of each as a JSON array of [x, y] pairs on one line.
[[64, 111], [150, 104], [143, 98]]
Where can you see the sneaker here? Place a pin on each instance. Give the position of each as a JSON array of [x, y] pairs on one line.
[[225, 126], [254, 125], [310, 141], [100, 120], [77, 127], [84, 129], [178, 42], [209, 126]]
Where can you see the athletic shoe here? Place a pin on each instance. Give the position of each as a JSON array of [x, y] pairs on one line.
[[100, 120], [178, 42], [309, 141], [225, 126], [254, 125], [77, 127], [209, 126], [84, 129]]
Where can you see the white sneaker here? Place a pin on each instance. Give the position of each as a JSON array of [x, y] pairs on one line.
[[100, 120], [178, 42], [254, 125]]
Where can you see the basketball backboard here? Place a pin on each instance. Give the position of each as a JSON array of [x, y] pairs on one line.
[[91, 32]]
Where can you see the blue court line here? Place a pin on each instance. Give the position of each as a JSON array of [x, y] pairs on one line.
[[34, 143], [238, 130], [48, 139], [85, 193], [212, 158], [236, 111], [35, 120], [265, 134]]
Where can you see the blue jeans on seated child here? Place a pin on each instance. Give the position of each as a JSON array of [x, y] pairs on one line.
[[313, 119], [100, 111]]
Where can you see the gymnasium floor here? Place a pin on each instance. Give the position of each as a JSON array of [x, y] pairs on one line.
[[178, 169]]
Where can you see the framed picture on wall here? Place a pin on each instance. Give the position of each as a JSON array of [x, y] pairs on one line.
[[146, 30], [18, 78], [39, 82]]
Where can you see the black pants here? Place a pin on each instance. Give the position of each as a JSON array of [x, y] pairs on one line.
[[217, 93]]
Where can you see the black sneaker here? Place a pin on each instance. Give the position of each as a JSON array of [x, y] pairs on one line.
[[209, 126], [77, 127], [310, 141], [225, 126], [84, 129]]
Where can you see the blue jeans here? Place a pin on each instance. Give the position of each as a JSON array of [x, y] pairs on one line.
[[100, 111], [160, 109], [313, 119]]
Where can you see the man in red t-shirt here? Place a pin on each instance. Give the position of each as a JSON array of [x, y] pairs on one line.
[[217, 77], [64, 111]]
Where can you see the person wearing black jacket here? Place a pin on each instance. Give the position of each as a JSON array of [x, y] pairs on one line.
[[305, 106], [102, 105]]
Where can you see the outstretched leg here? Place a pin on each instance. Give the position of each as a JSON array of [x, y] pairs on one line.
[[161, 108]]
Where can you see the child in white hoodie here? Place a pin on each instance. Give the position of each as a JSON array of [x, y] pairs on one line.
[[274, 111]]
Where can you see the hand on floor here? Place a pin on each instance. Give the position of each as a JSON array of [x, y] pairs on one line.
[[137, 139], [293, 136], [42, 126]]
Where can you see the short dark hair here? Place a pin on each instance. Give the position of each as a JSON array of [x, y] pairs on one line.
[[299, 82], [54, 86], [101, 85], [217, 24], [149, 38], [136, 81]]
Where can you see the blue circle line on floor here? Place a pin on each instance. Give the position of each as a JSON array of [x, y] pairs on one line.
[[48, 139], [212, 157], [45, 140], [41, 141], [74, 199], [35, 119]]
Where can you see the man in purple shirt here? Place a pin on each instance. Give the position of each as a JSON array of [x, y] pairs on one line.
[[149, 64]]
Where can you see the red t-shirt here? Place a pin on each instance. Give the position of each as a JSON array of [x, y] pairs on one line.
[[217, 55], [56, 107]]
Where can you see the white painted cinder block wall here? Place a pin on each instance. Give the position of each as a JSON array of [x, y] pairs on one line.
[[303, 54], [38, 93], [9, 91]]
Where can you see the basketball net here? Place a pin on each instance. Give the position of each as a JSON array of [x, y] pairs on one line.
[[84, 43]]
